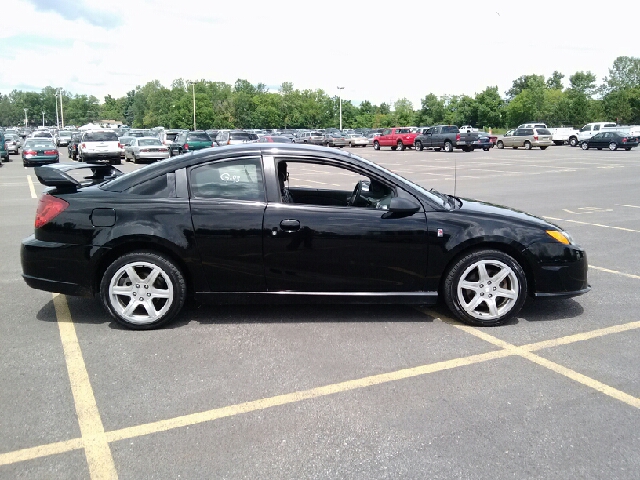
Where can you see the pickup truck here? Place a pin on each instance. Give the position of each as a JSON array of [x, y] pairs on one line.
[[448, 137], [397, 138], [563, 135]]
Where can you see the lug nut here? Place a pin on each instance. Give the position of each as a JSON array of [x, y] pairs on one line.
[[494, 289], [146, 286], [490, 295], [137, 286], [482, 294], [488, 283], [148, 294], [135, 294], [481, 285]]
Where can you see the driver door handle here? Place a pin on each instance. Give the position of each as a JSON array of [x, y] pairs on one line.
[[290, 225]]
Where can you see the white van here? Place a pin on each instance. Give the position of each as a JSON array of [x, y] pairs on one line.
[[590, 129], [628, 130], [533, 125]]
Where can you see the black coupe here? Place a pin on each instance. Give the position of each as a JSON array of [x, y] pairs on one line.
[[267, 223]]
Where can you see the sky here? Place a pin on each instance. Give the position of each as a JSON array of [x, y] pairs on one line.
[[378, 51]]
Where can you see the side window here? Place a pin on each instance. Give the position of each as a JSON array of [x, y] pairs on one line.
[[596, 127], [230, 180], [163, 186], [386, 131]]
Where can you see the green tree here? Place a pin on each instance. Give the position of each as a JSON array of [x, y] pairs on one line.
[[403, 112], [554, 82], [525, 82], [490, 107]]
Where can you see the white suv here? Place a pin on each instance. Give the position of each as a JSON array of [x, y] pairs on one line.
[[589, 130], [99, 145]]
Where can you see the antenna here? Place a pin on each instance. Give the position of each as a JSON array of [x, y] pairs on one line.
[[455, 175]]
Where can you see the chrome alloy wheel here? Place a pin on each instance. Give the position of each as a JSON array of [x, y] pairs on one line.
[[141, 292], [488, 289]]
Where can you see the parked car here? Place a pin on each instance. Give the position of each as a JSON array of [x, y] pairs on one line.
[[396, 138], [138, 132], [562, 135], [448, 138], [169, 136], [11, 143], [189, 142], [63, 138], [313, 138], [4, 153], [39, 151], [356, 140], [334, 139], [235, 137], [120, 239], [610, 140], [147, 149], [99, 145], [125, 141], [527, 138]]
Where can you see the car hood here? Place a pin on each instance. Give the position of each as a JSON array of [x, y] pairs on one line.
[[490, 209]]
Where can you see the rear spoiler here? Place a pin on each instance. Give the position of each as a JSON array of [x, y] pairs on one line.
[[56, 175]]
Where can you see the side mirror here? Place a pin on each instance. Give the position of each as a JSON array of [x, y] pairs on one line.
[[403, 206]]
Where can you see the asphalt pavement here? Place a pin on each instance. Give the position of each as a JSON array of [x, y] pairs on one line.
[[336, 391]]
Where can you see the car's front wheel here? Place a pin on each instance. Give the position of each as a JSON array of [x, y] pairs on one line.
[[143, 290], [400, 145], [613, 146], [485, 288], [376, 145], [584, 146], [419, 145]]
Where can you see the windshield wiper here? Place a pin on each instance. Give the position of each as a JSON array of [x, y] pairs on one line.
[[442, 196]]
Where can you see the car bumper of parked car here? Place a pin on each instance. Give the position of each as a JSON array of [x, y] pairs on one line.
[[152, 156], [40, 160], [98, 156], [41, 266], [559, 270], [544, 143]]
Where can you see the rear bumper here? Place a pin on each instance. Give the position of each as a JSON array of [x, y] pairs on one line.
[[153, 155], [57, 267], [97, 156]]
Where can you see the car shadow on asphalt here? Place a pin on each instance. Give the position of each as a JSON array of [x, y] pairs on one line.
[[90, 311]]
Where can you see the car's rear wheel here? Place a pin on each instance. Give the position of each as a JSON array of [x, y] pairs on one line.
[[543, 148], [486, 149], [584, 146], [143, 290], [448, 146], [485, 288], [527, 145], [419, 145], [376, 146], [628, 149], [400, 145], [613, 146]]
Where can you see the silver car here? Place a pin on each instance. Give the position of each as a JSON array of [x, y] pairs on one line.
[[148, 149], [12, 143], [356, 140], [527, 138]]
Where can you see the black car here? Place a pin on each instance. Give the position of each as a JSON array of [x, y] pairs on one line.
[[610, 140], [228, 225]]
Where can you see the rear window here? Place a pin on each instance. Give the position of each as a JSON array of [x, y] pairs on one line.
[[100, 137], [450, 129], [172, 136], [64, 134], [42, 134], [239, 136], [403, 130], [543, 131], [38, 144], [200, 137], [148, 141]]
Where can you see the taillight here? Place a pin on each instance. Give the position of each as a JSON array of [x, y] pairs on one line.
[[49, 207], [144, 149], [624, 140], [29, 152], [50, 152], [186, 146], [229, 142], [84, 145], [457, 137], [535, 137], [119, 145]]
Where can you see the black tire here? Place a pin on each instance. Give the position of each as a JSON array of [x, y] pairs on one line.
[[628, 149], [437, 149], [486, 149], [394, 148], [598, 148], [376, 145], [116, 162], [558, 142], [573, 141], [167, 267], [448, 146], [527, 145], [135, 159], [400, 146], [419, 145], [466, 267], [543, 148]]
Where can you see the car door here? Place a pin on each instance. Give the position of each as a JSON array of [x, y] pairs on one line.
[[319, 243], [597, 141], [227, 200]]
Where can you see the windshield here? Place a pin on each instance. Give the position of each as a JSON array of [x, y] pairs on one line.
[[450, 129], [148, 141]]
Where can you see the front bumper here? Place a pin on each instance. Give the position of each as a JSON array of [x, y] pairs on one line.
[[558, 270]]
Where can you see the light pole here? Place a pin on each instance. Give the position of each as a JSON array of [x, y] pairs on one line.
[[61, 112], [193, 87], [57, 118], [43, 118], [340, 96], [25, 117]]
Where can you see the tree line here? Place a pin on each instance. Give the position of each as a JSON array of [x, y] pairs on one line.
[[245, 105]]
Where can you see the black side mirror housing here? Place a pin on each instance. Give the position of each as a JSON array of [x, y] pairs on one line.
[[403, 206]]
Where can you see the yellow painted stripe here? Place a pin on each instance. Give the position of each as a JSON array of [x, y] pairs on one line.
[[580, 337], [40, 451], [32, 189], [583, 379], [294, 397], [96, 448], [567, 372], [628, 275]]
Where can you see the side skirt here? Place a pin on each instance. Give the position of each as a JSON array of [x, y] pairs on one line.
[[289, 297]]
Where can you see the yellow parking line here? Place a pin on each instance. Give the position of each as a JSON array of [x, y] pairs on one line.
[[525, 353], [32, 189], [40, 451], [209, 415], [96, 448], [580, 337], [628, 275]]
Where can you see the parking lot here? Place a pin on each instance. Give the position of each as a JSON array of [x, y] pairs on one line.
[[342, 391]]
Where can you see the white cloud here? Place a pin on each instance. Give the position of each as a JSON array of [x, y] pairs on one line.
[[376, 50]]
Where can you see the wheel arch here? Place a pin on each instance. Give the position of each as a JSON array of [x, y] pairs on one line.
[[515, 251], [140, 245]]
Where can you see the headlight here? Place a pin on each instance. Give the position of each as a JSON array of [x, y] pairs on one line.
[[561, 236]]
